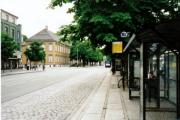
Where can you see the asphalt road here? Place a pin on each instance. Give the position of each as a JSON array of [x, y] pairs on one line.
[[49, 95], [14, 86]]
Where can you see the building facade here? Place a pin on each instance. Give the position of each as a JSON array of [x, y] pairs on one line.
[[10, 27], [57, 53]]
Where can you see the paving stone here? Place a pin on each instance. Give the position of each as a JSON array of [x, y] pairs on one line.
[[52, 103], [114, 115], [92, 117]]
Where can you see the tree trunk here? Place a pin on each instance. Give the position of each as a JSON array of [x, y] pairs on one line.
[[30, 64], [84, 62], [2, 65]]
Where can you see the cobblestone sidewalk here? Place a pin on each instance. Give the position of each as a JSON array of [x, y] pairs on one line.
[[105, 104], [55, 102]]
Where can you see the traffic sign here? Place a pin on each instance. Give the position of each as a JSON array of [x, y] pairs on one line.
[[117, 47]]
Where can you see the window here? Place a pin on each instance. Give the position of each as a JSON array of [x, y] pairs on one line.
[[11, 19], [7, 17], [50, 47], [6, 29], [18, 35], [55, 59], [63, 49], [56, 48], [60, 48], [3, 16], [50, 58], [14, 20], [60, 59], [12, 33]]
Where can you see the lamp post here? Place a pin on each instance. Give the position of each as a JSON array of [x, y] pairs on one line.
[[77, 56]]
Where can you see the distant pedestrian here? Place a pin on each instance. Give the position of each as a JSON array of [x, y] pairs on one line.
[[43, 67], [152, 85], [151, 75]]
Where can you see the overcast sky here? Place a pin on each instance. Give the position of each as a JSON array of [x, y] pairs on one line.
[[34, 15]]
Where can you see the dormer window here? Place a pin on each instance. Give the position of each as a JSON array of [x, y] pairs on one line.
[[7, 17]]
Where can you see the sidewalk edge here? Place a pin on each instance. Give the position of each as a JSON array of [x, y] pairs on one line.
[[78, 113]]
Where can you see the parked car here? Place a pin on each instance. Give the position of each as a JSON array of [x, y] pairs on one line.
[[107, 64]]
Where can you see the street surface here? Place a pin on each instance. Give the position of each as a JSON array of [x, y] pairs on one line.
[[48, 95]]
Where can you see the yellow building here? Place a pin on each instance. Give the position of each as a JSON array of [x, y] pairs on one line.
[[57, 53]]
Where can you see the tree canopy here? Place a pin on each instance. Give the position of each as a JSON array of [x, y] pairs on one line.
[[35, 52], [8, 47], [25, 37], [102, 21], [86, 52]]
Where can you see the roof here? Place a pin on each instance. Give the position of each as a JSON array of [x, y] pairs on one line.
[[8, 13], [65, 43], [129, 42], [44, 35], [167, 33]]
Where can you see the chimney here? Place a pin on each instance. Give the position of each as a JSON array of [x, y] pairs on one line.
[[46, 27]]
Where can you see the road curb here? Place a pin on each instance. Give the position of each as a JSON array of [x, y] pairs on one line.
[[123, 105], [103, 114], [15, 73], [79, 110]]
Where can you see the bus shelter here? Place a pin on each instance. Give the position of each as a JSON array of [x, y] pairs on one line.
[[156, 50]]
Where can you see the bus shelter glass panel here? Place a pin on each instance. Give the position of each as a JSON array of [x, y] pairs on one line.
[[165, 94], [163, 82], [137, 69], [134, 79], [172, 77]]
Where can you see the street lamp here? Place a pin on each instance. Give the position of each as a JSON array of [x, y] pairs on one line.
[[77, 56]]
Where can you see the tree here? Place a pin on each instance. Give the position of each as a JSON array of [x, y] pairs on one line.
[[8, 47], [102, 21], [25, 37], [94, 55], [35, 52], [79, 51], [85, 52]]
